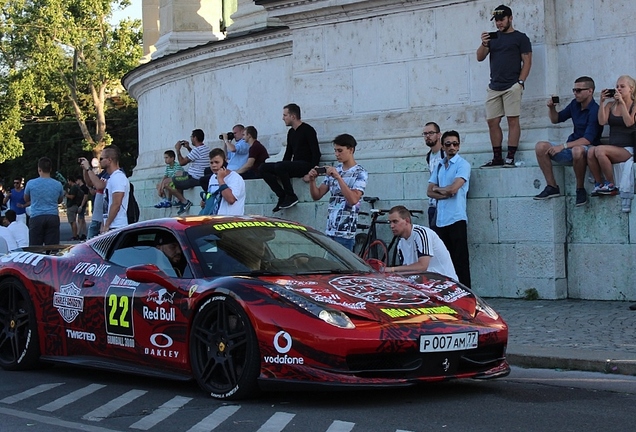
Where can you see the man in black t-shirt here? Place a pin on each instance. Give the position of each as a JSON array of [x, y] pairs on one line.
[[301, 155], [510, 54]]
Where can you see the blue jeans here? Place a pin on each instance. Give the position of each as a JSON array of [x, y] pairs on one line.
[[93, 228], [348, 243]]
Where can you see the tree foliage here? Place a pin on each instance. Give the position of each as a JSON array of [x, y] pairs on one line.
[[61, 59]]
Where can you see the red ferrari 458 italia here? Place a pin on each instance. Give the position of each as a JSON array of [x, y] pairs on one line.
[[241, 304]]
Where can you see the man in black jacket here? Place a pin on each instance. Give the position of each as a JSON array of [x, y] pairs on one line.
[[301, 155]]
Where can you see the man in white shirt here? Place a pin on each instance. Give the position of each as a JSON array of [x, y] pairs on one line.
[[226, 190], [8, 238], [116, 188], [18, 229], [420, 248]]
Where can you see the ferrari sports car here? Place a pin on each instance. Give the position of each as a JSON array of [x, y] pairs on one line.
[[241, 304]]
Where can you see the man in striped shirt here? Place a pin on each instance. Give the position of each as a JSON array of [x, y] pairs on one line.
[[420, 249]]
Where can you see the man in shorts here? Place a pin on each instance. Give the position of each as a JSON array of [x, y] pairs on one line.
[[510, 61]]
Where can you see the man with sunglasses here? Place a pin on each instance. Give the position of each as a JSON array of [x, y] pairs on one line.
[[449, 185], [583, 111]]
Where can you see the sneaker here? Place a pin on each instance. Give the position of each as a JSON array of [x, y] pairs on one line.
[[608, 189], [581, 197], [509, 163], [494, 163], [289, 201], [548, 192], [596, 191], [184, 207], [626, 205], [633, 307], [159, 204], [82, 237], [277, 208]]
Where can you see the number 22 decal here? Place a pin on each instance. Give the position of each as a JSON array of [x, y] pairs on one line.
[[118, 311], [123, 307]]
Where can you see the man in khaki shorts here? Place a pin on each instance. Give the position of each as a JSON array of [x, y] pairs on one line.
[[510, 61]]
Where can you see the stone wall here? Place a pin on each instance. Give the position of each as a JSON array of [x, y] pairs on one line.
[[381, 69]]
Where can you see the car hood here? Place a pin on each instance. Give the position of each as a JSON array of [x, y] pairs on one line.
[[378, 296]]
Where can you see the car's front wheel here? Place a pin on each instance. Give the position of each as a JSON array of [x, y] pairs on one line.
[[19, 347], [224, 350]]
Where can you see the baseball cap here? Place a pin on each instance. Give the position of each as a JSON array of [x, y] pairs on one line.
[[500, 12], [162, 238]]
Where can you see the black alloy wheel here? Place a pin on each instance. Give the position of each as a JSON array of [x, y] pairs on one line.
[[19, 347], [224, 350]]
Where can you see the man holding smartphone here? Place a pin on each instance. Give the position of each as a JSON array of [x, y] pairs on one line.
[[226, 190], [510, 61], [346, 182]]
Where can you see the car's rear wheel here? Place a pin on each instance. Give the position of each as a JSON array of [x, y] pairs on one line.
[[19, 347], [224, 349]]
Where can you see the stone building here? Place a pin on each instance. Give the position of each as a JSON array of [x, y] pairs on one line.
[[380, 69]]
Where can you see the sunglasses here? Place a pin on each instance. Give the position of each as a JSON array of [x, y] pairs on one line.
[[579, 90], [451, 143], [429, 133]]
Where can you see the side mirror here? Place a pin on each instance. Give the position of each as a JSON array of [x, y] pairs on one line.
[[150, 273], [376, 264]]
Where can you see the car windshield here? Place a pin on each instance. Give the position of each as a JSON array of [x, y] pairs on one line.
[[241, 248]]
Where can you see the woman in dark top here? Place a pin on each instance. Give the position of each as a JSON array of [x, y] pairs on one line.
[[620, 113]]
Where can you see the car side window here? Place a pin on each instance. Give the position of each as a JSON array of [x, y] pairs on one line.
[[145, 247]]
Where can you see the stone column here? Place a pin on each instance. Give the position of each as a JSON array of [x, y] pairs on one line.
[[187, 23], [150, 23], [249, 17]]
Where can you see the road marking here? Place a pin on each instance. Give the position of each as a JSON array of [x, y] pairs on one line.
[[28, 393], [401, 430], [67, 425], [107, 409], [212, 421], [71, 397], [340, 426], [161, 413], [277, 422]]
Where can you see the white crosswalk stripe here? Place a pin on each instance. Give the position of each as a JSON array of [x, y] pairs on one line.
[[401, 430], [100, 413], [161, 413], [28, 393], [340, 426], [71, 397], [277, 422], [212, 421]]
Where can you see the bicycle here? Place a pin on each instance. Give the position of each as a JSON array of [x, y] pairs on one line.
[[368, 245]]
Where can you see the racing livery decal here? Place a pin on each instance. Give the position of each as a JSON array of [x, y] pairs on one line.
[[282, 344], [68, 302], [91, 269], [161, 312], [374, 291], [118, 310]]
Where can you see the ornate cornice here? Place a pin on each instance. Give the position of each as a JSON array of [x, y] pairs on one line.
[[211, 56], [304, 13]]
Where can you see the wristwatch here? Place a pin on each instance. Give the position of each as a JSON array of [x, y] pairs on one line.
[[522, 82]]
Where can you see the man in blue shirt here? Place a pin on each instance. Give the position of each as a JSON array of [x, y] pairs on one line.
[[583, 111], [44, 194], [449, 185]]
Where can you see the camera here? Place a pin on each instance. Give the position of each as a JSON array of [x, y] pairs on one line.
[[321, 170], [610, 92], [493, 35], [555, 99], [230, 136]]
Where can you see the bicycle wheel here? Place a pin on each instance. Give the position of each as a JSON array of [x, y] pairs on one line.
[[377, 250], [361, 239]]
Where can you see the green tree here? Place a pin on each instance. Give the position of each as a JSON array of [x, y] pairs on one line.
[[61, 59]]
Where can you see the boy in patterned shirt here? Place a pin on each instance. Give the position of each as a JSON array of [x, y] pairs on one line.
[[346, 182], [173, 169]]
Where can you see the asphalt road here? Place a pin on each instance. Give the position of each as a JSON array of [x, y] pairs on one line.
[[62, 398]]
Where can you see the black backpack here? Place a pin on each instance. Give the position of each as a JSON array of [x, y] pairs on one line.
[[132, 210]]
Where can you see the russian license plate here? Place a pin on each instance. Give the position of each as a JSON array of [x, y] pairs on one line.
[[448, 342]]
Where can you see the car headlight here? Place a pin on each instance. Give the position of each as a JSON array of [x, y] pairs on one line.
[[328, 315], [483, 307]]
